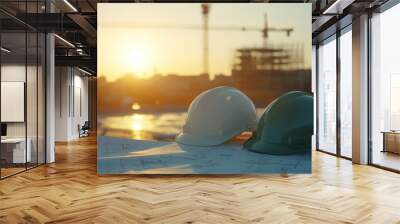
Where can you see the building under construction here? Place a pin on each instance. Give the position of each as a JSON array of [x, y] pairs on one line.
[[272, 69], [267, 59]]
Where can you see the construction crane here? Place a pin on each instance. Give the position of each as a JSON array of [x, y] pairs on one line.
[[205, 7], [265, 30], [205, 10]]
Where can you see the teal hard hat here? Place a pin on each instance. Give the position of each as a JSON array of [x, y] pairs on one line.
[[285, 127]]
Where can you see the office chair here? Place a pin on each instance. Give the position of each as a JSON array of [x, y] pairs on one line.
[[84, 130]]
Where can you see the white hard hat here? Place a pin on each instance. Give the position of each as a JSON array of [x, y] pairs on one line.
[[216, 116]]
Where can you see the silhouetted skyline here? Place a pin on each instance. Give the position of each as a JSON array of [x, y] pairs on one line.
[[125, 49]]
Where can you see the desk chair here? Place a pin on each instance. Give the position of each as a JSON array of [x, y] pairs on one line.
[[84, 130]]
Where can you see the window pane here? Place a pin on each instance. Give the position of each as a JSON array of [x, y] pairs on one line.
[[386, 89], [327, 96], [346, 94]]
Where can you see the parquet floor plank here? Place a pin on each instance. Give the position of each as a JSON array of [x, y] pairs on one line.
[[70, 191]]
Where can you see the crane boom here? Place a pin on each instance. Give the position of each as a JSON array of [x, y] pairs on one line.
[[205, 27], [196, 27]]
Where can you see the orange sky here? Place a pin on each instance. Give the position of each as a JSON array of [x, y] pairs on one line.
[[125, 46]]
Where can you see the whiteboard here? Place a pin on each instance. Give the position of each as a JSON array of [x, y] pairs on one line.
[[12, 101]]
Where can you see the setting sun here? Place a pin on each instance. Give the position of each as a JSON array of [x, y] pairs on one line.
[[137, 61]]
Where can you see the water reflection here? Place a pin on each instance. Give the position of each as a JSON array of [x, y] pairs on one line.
[[146, 126], [136, 106]]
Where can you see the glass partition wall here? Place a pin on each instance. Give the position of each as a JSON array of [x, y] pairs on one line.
[[13, 90], [334, 83], [385, 89], [22, 98]]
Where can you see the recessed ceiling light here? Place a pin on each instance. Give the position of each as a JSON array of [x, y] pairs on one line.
[[337, 7], [5, 50], [64, 40], [70, 5], [84, 71]]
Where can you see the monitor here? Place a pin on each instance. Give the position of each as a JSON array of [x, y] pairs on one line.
[[3, 129]]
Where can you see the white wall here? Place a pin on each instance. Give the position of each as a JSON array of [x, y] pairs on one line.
[[33, 126], [71, 94], [13, 73], [62, 81], [16, 73], [81, 100]]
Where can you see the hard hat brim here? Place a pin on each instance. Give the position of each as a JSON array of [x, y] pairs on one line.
[[274, 148]]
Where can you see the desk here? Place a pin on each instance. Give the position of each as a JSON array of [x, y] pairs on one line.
[[16, 147], [391, 141]]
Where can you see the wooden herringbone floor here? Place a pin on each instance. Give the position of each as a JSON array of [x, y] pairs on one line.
[[70, 191]]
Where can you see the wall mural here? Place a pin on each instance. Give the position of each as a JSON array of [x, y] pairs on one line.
[[204, 88]]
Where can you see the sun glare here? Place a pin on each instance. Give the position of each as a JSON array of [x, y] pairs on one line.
[[136, 126], [137, 122], [137, 59], [137, 62], [136, 106]]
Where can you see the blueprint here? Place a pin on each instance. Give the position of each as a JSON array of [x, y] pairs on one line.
[[125, 156]]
